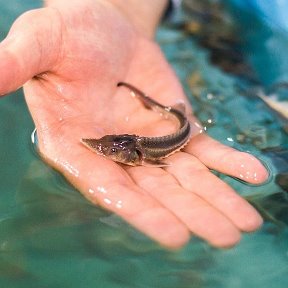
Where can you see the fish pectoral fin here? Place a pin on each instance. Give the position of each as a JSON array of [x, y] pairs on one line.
[[154, 163]]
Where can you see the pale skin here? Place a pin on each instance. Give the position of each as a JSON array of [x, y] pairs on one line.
[[70, 56]]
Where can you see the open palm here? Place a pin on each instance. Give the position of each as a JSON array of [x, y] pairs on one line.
[[73, 57]]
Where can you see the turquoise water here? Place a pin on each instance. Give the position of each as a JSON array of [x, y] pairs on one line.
[[51, 237]]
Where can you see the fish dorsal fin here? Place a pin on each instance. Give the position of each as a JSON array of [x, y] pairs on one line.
[[180, 106]]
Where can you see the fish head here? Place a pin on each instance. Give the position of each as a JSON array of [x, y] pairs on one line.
[[119, 148]]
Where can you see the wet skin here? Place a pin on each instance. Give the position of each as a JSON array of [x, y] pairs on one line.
[[66, 55]]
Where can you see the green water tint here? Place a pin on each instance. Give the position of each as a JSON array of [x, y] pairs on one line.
[[50, 236]]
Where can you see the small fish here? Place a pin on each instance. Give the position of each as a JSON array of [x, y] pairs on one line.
[[137, 150]]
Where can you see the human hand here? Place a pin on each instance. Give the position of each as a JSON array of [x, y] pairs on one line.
[[77, 52]]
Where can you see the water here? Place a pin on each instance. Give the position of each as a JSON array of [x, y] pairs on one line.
[[50, 236]]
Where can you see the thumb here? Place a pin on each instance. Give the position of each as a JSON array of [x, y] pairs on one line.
[[31, 47]]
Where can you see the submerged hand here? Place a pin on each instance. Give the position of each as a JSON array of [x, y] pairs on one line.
[[73, 55]]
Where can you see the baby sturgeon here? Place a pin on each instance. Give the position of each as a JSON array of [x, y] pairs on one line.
[[137, 150]]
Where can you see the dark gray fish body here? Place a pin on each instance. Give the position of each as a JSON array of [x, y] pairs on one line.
[[137, 150]]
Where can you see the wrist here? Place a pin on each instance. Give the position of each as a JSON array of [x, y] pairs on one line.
[[143, 15]]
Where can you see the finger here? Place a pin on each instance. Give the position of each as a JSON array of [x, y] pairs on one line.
[[227, 160], [200, 217], [105, 183], [29, 49], [195, 177], [100, 180]]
